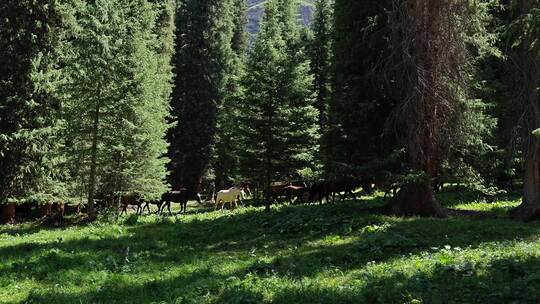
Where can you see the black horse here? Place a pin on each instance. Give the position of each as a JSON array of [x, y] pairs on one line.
[[182, 197]]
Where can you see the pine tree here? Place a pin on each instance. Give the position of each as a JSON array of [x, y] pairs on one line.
[[227, 149], [433, 63], [362, 97], [279, 121], [321, 58], [117, 104], [204, 34], [31, 33]]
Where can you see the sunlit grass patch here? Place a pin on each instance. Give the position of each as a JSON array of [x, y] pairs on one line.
[[309, 254]]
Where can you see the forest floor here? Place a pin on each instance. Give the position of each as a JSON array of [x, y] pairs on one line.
[[295, 254]]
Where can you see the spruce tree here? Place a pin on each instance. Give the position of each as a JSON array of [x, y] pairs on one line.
[[203, 52], [117, 104], [433, 61], [361, 97], [31, 33], [227, 148], [280, 129], [321, 57]]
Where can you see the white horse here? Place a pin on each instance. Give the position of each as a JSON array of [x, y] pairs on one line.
[[230, 196]]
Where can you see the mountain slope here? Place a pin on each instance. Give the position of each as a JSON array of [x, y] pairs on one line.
[[256, 11]]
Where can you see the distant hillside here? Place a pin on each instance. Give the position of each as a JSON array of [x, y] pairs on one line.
[[256, 10]]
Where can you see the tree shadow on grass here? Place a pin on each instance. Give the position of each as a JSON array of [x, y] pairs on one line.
[[506, 280], [301, 241]]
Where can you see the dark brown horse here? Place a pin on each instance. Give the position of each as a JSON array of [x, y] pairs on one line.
[[343, 188], [133, 199], [181, 197], [147, 204], [277, 191], [296, 192], [319, 191]]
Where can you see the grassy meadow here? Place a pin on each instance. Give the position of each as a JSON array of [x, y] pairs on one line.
[[295, 254]]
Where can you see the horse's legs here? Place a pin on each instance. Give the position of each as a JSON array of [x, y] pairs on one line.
[[169, 208], [351, 193], [146, 206], [160, 208]]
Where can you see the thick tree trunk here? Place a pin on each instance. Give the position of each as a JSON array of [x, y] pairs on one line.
[[530, 206], [8, 213], [422, 117], [528, 62]]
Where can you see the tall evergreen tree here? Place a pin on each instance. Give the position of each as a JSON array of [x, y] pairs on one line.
[[203, 41], [226, 162], [433, 60], [31, 33], [321, 58], [361, 96], [280, 129], [117, 104]]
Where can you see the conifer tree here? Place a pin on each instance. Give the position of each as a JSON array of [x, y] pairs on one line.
[[433, 62], [362, 97], [225, 164], [203, 52], [117, 104], [321, 57], [31, 33], [280, 129]]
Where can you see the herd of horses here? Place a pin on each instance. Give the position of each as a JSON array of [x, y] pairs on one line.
[[277, 192]]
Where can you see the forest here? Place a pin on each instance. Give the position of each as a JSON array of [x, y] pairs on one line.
[[320, 151]]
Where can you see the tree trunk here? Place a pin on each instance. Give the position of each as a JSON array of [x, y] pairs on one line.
[[530, 206], [93, 162], [422, 114], [528, 62], [8, 213]]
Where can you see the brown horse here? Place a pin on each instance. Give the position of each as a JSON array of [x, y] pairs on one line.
[[296, 192], [343, 188], [277, 191], [182, 197], [133, 199]]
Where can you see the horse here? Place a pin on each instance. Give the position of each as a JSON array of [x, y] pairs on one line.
[[319, 191], [229, 196], [296, 191], [147, 204], [133, 199], [276, 191], [182, 197], [343, 186]]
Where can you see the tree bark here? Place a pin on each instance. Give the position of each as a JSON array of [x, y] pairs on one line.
[[8, 213], [530, 207], [528, 62], [422, 115]]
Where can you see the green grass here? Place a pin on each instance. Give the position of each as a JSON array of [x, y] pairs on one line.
[[296, 254]]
